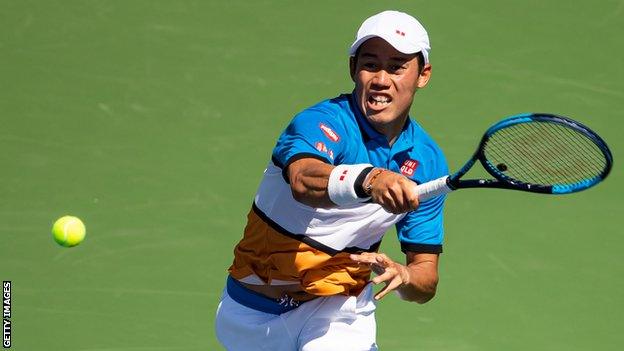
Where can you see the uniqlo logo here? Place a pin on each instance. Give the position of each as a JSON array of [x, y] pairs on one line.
[[320, 146], [408, 168]]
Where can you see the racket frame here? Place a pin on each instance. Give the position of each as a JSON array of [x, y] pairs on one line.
[[502, 181]]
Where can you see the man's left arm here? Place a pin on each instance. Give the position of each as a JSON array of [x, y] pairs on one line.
[[415, 281], [421, 234]]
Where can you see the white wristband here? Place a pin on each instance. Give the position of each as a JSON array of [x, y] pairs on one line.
[[341, 186]]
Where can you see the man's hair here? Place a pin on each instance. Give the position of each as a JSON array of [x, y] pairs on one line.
[[421, 61], [419, 57]]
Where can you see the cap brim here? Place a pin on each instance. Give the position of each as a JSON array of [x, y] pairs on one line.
[[406, 49]]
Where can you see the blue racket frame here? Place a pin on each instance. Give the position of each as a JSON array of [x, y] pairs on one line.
[[502, 181]]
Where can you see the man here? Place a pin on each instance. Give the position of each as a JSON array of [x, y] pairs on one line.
[[341, 174]]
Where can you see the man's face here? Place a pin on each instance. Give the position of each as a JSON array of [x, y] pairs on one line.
[[385, 82]]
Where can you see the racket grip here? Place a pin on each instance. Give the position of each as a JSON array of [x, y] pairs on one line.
[[433, 188]]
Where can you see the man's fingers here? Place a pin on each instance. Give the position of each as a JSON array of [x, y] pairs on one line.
[[396, 193], [382, 259], [398, 198], [405, 195], [365, 257], [379, 270], [370, 257], [409, 198], [414, 202], [387, 271], [374, 260], [387, 275], [393, 284], [387, 202]]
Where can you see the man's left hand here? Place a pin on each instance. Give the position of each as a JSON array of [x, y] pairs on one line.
[[393, 274]]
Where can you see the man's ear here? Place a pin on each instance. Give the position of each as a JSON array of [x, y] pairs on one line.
[[352, 64], [424, 76]]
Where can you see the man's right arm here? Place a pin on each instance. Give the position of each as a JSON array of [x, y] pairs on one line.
[[308, 182], [309, 178]]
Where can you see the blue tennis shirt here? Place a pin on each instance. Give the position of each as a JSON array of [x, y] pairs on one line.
[[336, 132]]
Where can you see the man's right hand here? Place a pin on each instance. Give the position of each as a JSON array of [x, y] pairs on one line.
[[393, 191]]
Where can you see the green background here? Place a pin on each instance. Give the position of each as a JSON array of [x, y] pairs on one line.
[[153, 122]]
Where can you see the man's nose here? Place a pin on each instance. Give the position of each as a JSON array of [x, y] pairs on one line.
[[381, 79]]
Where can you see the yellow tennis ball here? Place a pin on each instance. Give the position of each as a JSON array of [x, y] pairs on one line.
[[68, 231]]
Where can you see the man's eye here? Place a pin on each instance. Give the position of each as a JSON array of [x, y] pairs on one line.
[[370, 65], [397, 67]]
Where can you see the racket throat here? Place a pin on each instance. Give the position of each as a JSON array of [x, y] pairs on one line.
[[452, 183]]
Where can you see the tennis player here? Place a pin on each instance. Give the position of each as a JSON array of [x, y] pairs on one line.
[[343, 171]]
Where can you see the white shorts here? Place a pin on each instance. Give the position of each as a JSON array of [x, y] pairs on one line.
[[326, 323]]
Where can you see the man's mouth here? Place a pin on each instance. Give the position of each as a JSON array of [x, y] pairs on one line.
[[378, 100]]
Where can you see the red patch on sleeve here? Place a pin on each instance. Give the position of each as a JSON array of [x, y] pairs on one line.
[[320, 146], [329, 133]]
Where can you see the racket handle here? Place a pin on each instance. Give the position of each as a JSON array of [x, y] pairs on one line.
[[433, 188]]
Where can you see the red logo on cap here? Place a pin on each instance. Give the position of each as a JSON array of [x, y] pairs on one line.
[[329, 133], [408, 168], [400, 33]]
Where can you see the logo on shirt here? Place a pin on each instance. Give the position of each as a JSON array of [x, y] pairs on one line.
[[320, 146], [329, 133], [408, 168]]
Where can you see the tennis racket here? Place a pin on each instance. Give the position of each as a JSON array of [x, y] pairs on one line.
[[535, 152]]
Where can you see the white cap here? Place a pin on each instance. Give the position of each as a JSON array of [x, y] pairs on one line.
[[399, 29]]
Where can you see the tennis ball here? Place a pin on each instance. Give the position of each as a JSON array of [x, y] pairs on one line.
[[68, 231]]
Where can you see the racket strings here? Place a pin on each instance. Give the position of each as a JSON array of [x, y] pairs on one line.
[[550, 161], [544, 153], [547, 155]]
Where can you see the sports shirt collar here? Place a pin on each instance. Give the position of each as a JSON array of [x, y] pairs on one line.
[[404, 140]]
